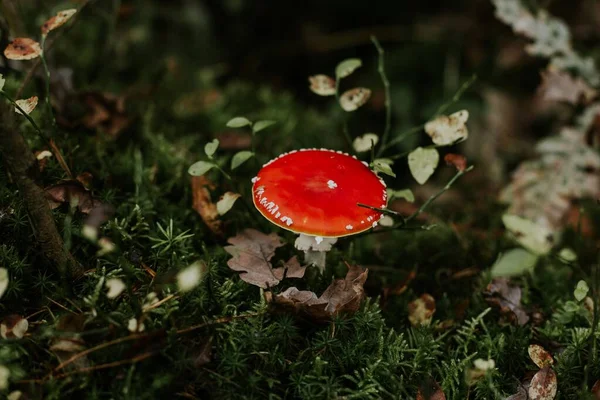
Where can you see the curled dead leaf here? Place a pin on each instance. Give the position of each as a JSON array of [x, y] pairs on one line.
[[352, 99], [543, 385], [507, 298], [540, 356], [421, 310], [204, 206], [430, 390], [13, 326], [22, 49], [58, 20], [27, 105], [342, 296], [105, 112]]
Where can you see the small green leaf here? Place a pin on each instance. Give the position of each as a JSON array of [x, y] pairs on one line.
[[571, 306], [211, 147], [260, 125], [238, 122], [422, 163], [405, 194], [200, 168], [383, 165], [514, 262], [568, 255], [226, 202], [240, 157], [581, 290], [347, 67], [2, 81], [537, 238]]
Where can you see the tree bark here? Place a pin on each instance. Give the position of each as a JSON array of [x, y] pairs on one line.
[[22, 165]]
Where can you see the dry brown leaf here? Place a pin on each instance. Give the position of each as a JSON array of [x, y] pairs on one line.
[[105, 112], [252, 252], [322, 85], [22, 49], [507, 298], [520, 395], [204, 206], [562, 86], [352, 99], [64, 347], [70, 191], [204, 355], [457, 160], [540, 356], [430, 390], [596, 390], [27, 105], [342, 296], [420, 311], [543, 385], [293, 268], [58, 20]]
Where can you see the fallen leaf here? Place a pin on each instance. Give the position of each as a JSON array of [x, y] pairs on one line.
[[560, 85], [421, 310], [252, 252], [22, 49], [71, 191], [203, 205], [543, 385], [58, 20], [430, 390], [596, 390], [457, 160], [400, 287], [322, 85], [422, 163], [68, 340], [27, 105], [105, 112], [226, 202], [352, 99], [204, 353], [365, 142], [520, 395], [13, 326], [540, 356], [293, 268], [446, 130], [342, 296], [507, 298], [347, 67]]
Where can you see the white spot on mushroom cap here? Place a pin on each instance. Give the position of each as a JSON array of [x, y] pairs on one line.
[[255, 179], [349, 227], [331, 184]]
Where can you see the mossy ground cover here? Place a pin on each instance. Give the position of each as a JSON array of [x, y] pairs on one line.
[[133, 108]]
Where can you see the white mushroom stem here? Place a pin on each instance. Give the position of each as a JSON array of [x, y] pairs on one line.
[[315, 248]]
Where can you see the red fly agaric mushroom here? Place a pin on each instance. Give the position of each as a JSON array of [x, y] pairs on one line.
[[316, 193]]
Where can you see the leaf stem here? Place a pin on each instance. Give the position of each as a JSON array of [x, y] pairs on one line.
[[388, 97]]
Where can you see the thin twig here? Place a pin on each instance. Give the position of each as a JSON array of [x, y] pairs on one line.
[[388, 97], [216, 321], [113, 364]]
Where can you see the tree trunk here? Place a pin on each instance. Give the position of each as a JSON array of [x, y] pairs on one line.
[[22, 165]]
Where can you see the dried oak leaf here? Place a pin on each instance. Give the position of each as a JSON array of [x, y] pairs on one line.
[[562, 86], [430, 390], [70, 191], [543, 385], [22, 49], [252, 252], [105, 112], [343, 295], [204, 206], [507, 298], [27, 105]]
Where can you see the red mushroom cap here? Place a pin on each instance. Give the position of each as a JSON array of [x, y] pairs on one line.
[[315, 192]]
